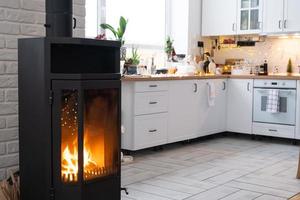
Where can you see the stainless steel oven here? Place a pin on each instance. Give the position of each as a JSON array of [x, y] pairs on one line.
[[286, 114]]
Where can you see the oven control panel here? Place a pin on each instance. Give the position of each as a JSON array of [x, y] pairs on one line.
[[291, 84]]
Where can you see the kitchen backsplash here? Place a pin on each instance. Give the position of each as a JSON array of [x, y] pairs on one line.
[[276, 50]]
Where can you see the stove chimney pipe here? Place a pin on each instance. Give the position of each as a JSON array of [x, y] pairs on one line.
[[59, 18]]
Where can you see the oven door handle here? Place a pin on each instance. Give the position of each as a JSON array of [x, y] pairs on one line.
[[262, 91], [288, 92]]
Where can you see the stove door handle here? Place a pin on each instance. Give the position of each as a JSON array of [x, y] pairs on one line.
[[74, 22]]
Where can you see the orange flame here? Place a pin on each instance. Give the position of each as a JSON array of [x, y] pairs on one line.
[[70, 163]]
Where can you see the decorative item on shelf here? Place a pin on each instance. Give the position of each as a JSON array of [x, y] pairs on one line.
[[101, 37], [118, 33], [209, 66], [275, 70], [289, 69], [132, 63], [169, 49]]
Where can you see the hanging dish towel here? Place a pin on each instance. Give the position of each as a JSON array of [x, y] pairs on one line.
[[211, 94], [273, 101]]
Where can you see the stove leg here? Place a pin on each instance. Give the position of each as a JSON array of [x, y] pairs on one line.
[[125, 190]]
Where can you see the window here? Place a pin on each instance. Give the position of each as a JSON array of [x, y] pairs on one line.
[[91, 18], [147, 20]]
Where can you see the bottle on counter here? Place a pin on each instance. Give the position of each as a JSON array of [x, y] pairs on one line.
[[266, 67]]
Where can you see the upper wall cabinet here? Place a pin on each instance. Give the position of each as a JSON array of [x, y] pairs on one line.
[[219, 17], [281, 16], [273, 16], [249, 19], [231, 17], [291, 21]]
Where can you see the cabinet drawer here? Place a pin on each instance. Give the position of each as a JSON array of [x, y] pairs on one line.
[[274, 130], [151, 102], [150, 130], [151, 86]]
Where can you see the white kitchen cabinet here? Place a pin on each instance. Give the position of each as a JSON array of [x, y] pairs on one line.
[[219, 17], [249, 20], [281, 16], [144, 114], [297, 135], [151, 130], [273, 16], [184, 110], [291, 21], [213, 118], [239, 105]]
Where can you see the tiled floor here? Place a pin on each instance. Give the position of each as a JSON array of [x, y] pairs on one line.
[[227, 168]]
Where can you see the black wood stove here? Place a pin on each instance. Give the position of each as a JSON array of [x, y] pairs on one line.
[[69, 112]]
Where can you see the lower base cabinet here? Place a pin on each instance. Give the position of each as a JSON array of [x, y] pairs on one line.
[[184, 103], [212, 119], [151, 130], [162, 112], [297, 132], [239, 105]]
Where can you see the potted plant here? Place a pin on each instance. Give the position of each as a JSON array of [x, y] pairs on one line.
[[132, 63], [169, 48], [118, 33]]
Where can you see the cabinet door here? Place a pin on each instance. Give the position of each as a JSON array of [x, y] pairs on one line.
[[273, 16], [249, 16], [213, 118], [219, 17], [239, 105], [184, 104], [297, 135], [291, 21]]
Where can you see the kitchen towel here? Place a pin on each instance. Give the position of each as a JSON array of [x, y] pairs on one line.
[[211, 94], [273, 101]]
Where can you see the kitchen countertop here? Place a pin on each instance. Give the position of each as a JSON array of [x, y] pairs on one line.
[[193, 77]]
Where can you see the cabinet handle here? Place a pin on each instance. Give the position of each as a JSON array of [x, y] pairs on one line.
[[152, 131], [152, 102], [279, 24], [272, 130], [233, 27], [248, 87], [153, 86], [195, 87], [285, 24], [224, 85]]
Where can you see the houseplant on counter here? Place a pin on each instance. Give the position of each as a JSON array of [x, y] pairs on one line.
[[131, 64], [169, 48], [118, 33]]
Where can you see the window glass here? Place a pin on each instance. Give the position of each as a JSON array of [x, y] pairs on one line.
[[146, 20]]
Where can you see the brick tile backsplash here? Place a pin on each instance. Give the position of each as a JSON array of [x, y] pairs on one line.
[[19, 19]]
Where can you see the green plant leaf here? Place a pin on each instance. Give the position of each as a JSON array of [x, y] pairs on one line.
[[109, 27], [123, 24]]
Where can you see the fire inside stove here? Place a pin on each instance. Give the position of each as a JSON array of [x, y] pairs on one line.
[[99, 113]]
